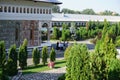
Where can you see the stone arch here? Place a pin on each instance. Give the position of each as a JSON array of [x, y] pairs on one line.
[[45, 31]]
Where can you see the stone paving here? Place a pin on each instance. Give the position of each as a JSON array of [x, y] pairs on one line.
[[45, 75]]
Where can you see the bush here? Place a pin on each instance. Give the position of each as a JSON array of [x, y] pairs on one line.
[[78, 67], [114, 70], [10, 69], [52, 55], [56, 33], [44, 54], [2, 61], [67, 51], [23, 55], [12, 61], [2, 53], [62, 77], [36, 56]]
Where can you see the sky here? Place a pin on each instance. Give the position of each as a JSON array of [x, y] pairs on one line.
[[96, 5]]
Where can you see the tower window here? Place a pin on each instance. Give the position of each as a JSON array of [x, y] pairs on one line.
[[5, 9], [20, 10], [43, 11], [27, 10], [34, 10], [49, 11], [46, 11], [1, 10], [31, 10], [24, 10], [40, 11], [9, 9], [16, 9], [13, 9]]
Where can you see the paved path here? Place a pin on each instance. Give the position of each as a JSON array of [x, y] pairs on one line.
[[46, 75]]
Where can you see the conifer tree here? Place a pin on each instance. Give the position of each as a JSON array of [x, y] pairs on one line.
[[44, 54], [36, 56], [12, 61], [52, 55], [23, 55]]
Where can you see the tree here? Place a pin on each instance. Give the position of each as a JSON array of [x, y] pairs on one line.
[[66, 53], [52, 55], [23, 55], [56, 33], [2, 60], [88, 11], [56, 9], [44, 54], [2, 53], [78, 63], [25, 42], [36, 56], [12, 61]]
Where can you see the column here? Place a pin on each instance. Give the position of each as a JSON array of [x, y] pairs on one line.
[[49, 27], [39, 32]]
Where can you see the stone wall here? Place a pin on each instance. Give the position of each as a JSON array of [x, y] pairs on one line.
[[14, 32]]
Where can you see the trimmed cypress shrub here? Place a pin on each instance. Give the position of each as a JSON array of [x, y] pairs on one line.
[[44, 54], [21, 58], [12, 61], [36, 56], [25, 42], [52, 55], [23, 55], [2, 60], [2, 53]]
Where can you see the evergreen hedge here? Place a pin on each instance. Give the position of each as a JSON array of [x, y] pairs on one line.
[[44, 54], [23, 55], [12, 61], [52, 55], [36, 56]]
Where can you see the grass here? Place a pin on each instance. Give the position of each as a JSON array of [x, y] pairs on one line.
[[39, 68]]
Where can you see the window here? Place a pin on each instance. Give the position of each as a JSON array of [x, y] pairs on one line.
[[16, 9], [43, 11], [24, 10], [27, 10], [49, 11], [20, 10], [40, 11], [9, 9], [13, 9], [31, 36], [1, 9], [16, 34], [31, 10], [34, 10], [46, 11], [5, 9]]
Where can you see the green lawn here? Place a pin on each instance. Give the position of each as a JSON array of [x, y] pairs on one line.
[[39, 68]]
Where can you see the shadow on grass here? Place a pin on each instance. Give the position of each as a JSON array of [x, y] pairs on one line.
[[60, 62], [34, 67]]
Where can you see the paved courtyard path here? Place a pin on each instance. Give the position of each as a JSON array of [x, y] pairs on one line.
[[45, 75]]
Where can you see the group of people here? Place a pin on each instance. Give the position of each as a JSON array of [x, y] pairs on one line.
[[61, 46]]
